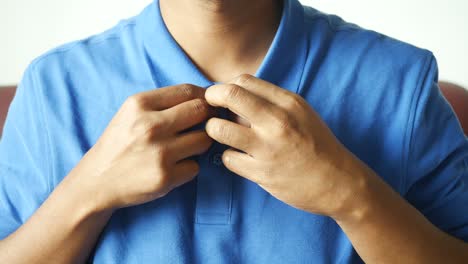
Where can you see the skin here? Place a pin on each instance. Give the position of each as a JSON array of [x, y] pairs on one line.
[[150, 161], [223, 37], [284, 147], [144, 153]]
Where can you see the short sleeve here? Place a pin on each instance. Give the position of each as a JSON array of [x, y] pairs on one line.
[[437, 158], [24, 157]]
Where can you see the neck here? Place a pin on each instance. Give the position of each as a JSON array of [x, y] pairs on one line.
[[224, 38]]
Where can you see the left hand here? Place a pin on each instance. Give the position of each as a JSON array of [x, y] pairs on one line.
[[287, 149]]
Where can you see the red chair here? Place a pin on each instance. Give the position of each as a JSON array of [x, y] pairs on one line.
[[6, 95], [458, 98]]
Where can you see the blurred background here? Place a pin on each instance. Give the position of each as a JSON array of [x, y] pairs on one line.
[[30, 28]]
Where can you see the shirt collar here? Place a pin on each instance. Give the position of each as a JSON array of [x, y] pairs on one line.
[[283, 65]]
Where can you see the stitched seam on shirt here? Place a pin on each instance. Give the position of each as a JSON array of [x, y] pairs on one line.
[[346, 26], [91, 40], [47, 142], [410, 125], [15, 213], [27, 154], [111, 35], [306, 57]]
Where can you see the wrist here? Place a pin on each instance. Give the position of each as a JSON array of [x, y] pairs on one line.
[[71, 203], [86, 195], [359, 183]]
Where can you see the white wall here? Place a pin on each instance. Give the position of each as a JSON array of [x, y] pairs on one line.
[[29, 28], [438, 25]]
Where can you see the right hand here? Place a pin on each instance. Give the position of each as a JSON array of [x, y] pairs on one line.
[[142, 155]]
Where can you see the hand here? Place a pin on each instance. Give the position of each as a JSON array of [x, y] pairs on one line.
[[142, 155], [286, 148]]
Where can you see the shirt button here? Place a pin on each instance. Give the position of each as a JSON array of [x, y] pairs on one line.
[[216, 159]]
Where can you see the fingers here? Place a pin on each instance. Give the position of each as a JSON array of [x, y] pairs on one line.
[[255, 109], [261, 88], [185, 115], [189, 144], [241, 164], [283, 98], [184, 172], [231, 134], [163, 98]]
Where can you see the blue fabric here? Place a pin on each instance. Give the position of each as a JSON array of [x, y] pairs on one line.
[[378, 95]]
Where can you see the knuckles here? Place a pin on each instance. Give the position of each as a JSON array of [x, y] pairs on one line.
[[163, 154], [158, 183], [219, 130], [160, 177], [232, 91], [163, 180], [136, 103], [212, 127], [199, 106], [188, 90], [142, 128], [282, 122], [243, 79], [145, 128], [293, 102]]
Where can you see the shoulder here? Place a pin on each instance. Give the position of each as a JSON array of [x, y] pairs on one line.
[[108, 43], [352, 41], [365, 62], [368, 63], [97, 70]]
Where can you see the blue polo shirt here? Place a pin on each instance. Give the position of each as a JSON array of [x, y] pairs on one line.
[[378, 95]]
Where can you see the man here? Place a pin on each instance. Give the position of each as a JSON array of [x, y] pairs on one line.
[[340, 149]]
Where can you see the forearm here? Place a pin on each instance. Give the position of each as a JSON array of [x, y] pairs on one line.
[[384, 228], [63, 230], [141, 156]]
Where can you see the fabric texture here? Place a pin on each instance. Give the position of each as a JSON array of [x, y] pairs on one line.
[[378, 95]]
